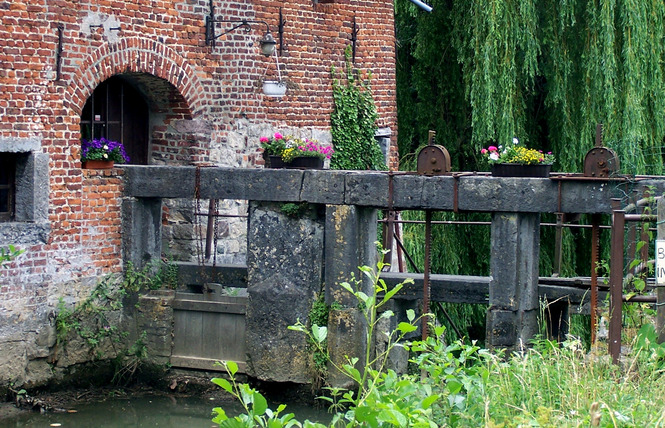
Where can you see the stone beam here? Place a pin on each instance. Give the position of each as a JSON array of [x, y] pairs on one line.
[[465, 192]]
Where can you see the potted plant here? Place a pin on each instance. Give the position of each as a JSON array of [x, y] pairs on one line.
[[102, 153], [515, 160], [274, 88], [287, 152]]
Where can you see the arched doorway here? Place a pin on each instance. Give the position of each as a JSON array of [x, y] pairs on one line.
[[118, 112]]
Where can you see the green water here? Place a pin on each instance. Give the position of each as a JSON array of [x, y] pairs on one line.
[[138, 412]]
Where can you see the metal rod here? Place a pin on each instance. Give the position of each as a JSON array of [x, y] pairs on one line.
[[58, 54], [595, 247], [423, 6], [616, 283], [558, 244], [408, 256], [212, 213], [222, 215], [426, 285], [639, 299]]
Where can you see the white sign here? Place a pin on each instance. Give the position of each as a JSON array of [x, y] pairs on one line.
[[660, 262]]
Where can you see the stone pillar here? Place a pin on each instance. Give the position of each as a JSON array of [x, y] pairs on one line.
[[141, 230], [512, 318], [284, 275], [351, 233]]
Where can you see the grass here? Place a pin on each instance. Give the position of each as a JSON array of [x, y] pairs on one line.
[[552, 386]]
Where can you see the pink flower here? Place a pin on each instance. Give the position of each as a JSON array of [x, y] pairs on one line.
[[278, 136], [492, 149], [483, 151], [264, 139]]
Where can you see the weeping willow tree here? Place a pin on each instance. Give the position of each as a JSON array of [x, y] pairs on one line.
[[545, 71], [481, 72]]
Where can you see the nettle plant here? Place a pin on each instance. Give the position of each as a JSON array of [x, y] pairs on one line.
[[381, 397]]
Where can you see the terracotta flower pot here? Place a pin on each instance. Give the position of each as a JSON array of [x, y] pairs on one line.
[[97, 164]]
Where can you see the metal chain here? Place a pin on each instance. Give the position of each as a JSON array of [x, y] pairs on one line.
[[198, 229]]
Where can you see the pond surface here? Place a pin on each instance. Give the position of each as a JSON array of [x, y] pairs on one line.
[[145, 411]]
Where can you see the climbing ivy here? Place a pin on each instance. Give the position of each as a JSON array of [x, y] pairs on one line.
[[353, 121]]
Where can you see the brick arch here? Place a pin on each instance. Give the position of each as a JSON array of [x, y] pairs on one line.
[[134, 55]]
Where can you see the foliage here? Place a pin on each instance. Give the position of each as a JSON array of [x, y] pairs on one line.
[[256, 408], [516, 153], [483, 71], [98, 319], [289, 148], [295, 210], [353, 122], [103, 150], [8, 254], [153, 276], [460, 384], [95, 319], [319, 315]]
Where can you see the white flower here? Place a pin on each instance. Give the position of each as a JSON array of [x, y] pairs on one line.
[[515, 140], [106, 147], [494, 156], [106, 156]]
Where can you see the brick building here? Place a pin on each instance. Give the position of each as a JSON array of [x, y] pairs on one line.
[[144, 73]]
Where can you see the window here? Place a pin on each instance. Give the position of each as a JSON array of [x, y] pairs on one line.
[[24, 192], [118, 112], [7, 186]]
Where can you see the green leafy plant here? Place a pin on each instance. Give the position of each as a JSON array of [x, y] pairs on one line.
[[8, 254], [157, 274], [295, 210], [257, 413], [353, 122], [94, 319]]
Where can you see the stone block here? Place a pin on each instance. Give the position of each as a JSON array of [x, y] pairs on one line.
[[501, 328], [284, 273], [347, 339], [350, 235]]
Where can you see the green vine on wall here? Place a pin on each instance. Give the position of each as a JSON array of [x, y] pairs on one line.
[[353, 121]]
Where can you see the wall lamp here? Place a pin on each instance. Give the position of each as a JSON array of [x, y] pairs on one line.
[[267, 42]]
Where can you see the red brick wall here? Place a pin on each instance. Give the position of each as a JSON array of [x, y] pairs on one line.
[[161, 48]]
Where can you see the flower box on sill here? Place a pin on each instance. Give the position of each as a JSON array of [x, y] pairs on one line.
[[300, 162], [520, 170]]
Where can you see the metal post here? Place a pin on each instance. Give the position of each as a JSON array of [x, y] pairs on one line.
[[595, 247], [426, 288], [660, 290], [616, 282]]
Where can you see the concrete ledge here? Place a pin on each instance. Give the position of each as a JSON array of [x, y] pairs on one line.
[[472, 192]]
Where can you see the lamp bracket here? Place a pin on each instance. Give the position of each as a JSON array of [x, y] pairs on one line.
[[239, 23]]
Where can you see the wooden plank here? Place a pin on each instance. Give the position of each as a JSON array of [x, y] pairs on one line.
[[188, 362], [475, 289], [187, 332], [209, 306]]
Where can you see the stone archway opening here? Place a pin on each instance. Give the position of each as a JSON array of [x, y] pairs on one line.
[[149, 116]]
